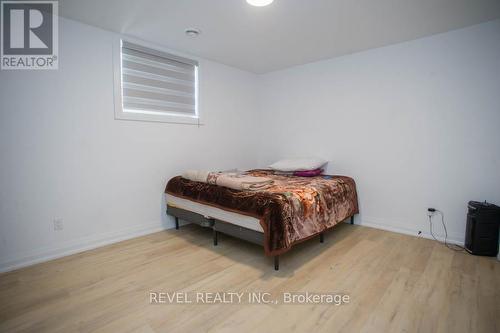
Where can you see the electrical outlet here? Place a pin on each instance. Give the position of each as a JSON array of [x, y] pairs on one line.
[[58, 224], [431, 211]]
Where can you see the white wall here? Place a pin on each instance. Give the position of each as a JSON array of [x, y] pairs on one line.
[[63, 155], [416, 124]]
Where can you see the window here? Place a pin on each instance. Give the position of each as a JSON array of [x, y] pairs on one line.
[[155, 86]]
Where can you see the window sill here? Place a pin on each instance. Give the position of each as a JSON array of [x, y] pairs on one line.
[[162, 118]]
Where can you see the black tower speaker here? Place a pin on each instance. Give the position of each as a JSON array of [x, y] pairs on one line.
[[481, 235]]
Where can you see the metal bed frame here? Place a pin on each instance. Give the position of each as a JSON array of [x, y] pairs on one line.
[[226, 228]]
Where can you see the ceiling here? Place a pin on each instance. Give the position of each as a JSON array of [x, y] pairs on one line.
[[283, 34]]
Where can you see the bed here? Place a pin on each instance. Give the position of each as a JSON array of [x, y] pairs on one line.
[[292, 210]]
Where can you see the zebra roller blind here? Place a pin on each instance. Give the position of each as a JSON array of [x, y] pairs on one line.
[[155, 82]]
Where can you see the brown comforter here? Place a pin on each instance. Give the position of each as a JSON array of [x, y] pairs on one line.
[[292, 210]]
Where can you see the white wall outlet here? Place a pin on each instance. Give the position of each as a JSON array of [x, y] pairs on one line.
[[58, 224]]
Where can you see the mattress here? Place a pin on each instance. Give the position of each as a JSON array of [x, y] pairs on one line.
[[241, 220], [293, 209]]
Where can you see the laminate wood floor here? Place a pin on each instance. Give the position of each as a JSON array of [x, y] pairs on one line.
[[396, 283]]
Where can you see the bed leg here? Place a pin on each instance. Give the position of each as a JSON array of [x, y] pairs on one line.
[[176, 223], [321, 237], [352, 219], [215, 237], [276, 263]]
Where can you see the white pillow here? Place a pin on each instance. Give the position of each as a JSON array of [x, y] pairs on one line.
[[298, 164]]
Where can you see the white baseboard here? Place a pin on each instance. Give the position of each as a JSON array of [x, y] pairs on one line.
[[88, 243], [78, 245], [378, 223]]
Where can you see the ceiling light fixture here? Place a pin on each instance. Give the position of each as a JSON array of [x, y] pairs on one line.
[[259, 3], [192, 32]]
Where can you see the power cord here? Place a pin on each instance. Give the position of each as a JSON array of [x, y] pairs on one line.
[[453, 247]]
